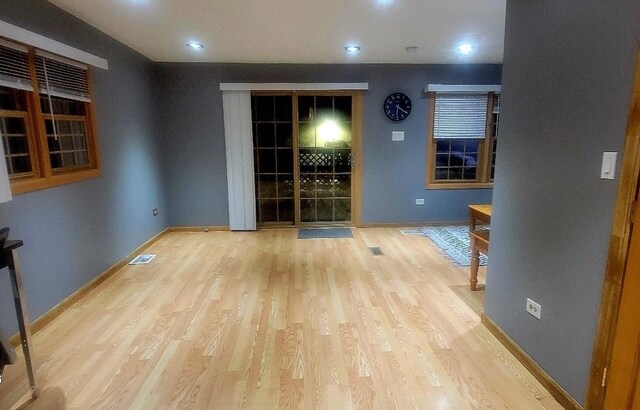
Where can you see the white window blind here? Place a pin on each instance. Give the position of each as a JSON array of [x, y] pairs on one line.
[[14, 66], [460, 115], [60, 77]]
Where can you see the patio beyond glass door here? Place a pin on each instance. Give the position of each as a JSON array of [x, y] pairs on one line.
[[303, 161]]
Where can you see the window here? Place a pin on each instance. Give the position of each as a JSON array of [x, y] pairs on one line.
[[46, 118], [462, 139]]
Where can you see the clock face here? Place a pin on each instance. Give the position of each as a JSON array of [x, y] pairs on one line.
[[397, 106]]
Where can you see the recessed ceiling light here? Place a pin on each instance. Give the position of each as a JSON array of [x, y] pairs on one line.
[[194, 45], [465, 48], [411, 49], [352, 49], [384, 3]]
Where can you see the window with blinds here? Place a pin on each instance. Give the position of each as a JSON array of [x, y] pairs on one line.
[[460, 115], [46, 118], [14, 66], [462, 138], [60, 77]]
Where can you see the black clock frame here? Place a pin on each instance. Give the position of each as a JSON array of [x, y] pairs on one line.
[[402, 104]]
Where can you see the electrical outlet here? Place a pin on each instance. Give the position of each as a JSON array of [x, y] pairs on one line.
[[419, 201], [533, 308], [155, 211]]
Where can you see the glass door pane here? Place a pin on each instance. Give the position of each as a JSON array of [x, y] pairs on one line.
[[272, 121], [324, 156]]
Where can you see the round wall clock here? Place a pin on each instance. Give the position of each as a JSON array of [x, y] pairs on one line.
[[397, 106]]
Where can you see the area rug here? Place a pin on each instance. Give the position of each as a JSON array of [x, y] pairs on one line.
[[454, 243], [315, 233]]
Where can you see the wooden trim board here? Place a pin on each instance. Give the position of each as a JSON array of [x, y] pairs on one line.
[[197, 228], [292, 86], [357, 123], [618, 248], [57, 310], [538, 372]]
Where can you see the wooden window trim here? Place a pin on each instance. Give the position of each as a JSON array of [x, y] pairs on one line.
[[31, 141], [36, 184], [485, 149], [42, 175]]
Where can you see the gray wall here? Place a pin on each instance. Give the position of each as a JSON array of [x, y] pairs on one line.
[[74, 232], [393, 172], [568, 71]]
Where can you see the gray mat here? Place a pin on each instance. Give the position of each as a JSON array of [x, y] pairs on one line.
[[314, 233]]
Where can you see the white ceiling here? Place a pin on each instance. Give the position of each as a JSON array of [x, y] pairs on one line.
[[301, 31]]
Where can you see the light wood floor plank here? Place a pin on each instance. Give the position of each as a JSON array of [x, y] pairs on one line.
[[262, 320]]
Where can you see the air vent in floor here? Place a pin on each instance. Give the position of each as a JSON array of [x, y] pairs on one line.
[[142, 259], [376, 250]]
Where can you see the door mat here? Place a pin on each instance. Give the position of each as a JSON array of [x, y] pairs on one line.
[[315, 233]]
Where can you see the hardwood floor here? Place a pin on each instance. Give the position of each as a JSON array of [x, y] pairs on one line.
[[262, 320]]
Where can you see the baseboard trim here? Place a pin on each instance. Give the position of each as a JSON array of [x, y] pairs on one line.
[[197, 228], [58, 309], [411, 224], [538, 372]]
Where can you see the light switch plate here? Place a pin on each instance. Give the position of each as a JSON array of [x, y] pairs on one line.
[[397, 136], [608, 165]]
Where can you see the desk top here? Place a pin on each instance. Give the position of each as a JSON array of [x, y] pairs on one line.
[[6, 257], [10, 245], [482, 209]]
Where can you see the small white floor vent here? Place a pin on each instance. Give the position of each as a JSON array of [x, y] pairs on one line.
[[411, 232], [142, 259]]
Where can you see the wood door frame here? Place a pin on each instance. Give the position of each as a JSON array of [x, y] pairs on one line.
[[618, 250], [357, 115]]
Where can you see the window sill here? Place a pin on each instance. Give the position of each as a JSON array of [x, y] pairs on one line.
[[22, 186], [461, 185]]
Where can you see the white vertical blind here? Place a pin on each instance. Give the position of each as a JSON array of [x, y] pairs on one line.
[[460, 115], [236, 106], [5, 185], [14, 66]]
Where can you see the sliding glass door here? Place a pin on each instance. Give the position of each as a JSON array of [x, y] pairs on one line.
[[303, 158]]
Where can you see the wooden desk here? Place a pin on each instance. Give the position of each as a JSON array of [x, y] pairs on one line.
[[479, 239], [479, 214], [9, 259]]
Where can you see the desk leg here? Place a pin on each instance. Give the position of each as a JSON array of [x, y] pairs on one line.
[[472, 223], [23, 318], [475, 263]]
